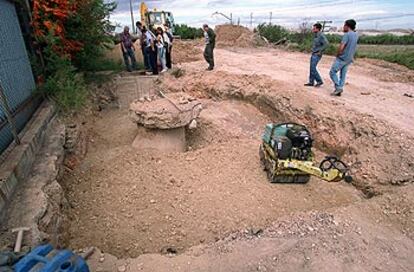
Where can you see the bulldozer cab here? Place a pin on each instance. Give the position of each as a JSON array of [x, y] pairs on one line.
[[159, 18]]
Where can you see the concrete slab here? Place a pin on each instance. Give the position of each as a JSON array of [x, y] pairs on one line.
[[164, 140]]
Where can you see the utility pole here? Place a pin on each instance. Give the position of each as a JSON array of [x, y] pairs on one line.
[[225, 16], [132, 16], [270, 20]]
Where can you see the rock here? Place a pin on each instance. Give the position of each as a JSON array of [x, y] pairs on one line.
[[101, 260], [165, 113], [152, 201], [122, 268], [193, 124], [256, 231]]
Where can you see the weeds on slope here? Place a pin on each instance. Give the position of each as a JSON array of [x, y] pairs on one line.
[[72, 39]]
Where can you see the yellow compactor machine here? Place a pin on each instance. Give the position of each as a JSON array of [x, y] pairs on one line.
[[287, 157]]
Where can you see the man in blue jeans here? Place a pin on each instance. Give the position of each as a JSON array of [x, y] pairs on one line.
[[345, 57], [128, 49], [320, 43]]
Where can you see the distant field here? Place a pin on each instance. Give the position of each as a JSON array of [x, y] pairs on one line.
[[401, 54]]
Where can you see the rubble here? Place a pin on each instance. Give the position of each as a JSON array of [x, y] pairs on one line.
[[176, 111]]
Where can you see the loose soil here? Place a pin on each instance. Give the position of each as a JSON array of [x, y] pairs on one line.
[[237, 36], [213, 205]]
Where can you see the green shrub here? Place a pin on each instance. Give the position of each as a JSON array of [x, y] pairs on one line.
[[66, 88], [187, 32], [65, 72], [387, 39], [383, 39], [273, 33], [89, 26]]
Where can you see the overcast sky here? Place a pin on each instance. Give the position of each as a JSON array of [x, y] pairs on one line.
[[380, 14]]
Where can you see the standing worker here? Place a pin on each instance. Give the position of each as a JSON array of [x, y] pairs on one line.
[[345, 56], [210, 38], [128, 49], [141, 34], [150, 51], [162, 48], [170, 44], [320, 43]]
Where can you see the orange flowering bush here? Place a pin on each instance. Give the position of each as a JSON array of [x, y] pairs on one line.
[[49, 18]]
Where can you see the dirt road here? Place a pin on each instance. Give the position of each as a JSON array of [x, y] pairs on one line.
[[212, 209]]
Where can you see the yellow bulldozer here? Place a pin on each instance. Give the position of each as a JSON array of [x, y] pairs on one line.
[[153, 19]]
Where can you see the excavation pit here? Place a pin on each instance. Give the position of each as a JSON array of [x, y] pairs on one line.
[[129, 201]]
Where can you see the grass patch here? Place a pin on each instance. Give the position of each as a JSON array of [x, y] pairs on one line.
[[67, 89], [177, 72], [399, 54]]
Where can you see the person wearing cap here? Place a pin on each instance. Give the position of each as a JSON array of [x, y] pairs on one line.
[[320, 43], [344, 57], [210, 38]]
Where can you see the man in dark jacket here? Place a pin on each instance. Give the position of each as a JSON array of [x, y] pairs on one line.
[[128, 49], [210, 38], [320, 43]]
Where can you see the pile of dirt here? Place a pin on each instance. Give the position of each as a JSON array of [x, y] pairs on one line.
[[186, 51], [238, 36], [165, 113]]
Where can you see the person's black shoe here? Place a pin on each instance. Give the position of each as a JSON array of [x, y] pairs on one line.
[[308, 85], [210, 68], [337, 92], [318, 84]]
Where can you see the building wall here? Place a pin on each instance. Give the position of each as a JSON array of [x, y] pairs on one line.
[[16, 77]]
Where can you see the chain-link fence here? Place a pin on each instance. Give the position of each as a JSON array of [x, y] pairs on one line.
[[17, 101]]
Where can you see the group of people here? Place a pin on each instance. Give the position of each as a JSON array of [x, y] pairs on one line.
[[344, 57], [157, 48]]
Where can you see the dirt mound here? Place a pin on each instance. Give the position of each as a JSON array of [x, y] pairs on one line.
[[165, 113], [186, 51], [238, 36]]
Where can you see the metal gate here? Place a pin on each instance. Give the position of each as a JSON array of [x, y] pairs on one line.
[[16, 77]]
